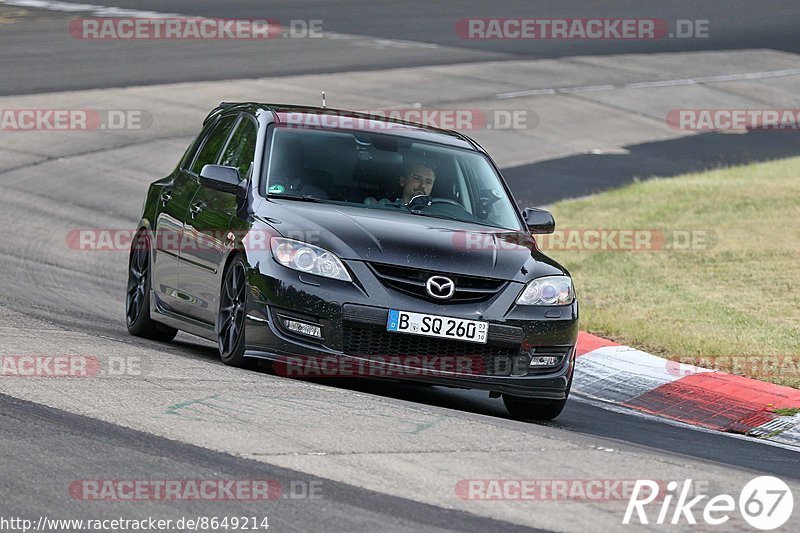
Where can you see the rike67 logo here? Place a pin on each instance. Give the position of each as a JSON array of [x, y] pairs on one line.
[[765, 503]]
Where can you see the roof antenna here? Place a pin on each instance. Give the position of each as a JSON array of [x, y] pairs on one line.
[[323, 100]]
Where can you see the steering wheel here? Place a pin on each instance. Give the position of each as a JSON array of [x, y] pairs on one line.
[[419, 200]]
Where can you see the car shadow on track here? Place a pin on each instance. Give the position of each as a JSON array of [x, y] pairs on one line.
[[471, 401]]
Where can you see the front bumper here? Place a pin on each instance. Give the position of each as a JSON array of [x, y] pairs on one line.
[[353, 317]]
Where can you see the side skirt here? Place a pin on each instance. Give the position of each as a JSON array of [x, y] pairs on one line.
[[180, 321]]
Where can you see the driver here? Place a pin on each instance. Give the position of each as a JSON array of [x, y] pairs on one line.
[[417, 179]]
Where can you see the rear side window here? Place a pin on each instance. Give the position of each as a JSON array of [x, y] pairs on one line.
[[241, 149], [213, 144]]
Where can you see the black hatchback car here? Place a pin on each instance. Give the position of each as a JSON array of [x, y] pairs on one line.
[[339, 243]]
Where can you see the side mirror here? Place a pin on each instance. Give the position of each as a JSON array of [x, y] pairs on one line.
[[539, 220], [225, 179]]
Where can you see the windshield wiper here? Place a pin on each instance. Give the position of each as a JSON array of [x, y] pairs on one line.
[[450, 217], [434, 215], [301, 198]]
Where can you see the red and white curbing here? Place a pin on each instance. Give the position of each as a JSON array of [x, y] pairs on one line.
[[625, 376]]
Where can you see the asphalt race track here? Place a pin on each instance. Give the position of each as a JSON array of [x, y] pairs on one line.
[[388, 33], [385, 455]]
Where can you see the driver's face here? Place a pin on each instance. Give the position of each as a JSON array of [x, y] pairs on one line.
[[418, 180]]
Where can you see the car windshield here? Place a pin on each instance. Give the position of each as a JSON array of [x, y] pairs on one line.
[[391, 172]]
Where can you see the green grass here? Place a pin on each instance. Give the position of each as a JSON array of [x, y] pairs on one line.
[[720, 304]]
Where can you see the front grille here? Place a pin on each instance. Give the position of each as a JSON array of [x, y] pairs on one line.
[[412, 281], [482, 359]]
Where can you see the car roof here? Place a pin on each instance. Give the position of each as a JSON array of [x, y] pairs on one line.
[[340, 119]]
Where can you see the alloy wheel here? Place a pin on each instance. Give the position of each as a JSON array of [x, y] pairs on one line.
[[232, 308], [139, 271]]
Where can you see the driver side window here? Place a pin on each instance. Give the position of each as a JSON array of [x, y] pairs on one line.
[[241, 149], [213, 144]]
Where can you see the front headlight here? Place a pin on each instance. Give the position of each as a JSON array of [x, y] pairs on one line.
[[549, 290], [305, 257]]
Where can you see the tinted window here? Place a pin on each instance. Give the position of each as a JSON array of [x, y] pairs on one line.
[[381, 171], [213, 144], [186, 160], [241, 149], [188, 156]]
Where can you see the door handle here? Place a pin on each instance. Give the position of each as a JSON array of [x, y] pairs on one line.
[[165, 197], [196, 208]]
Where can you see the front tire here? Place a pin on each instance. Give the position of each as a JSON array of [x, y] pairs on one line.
[[137, 298], [535, 409], [230, 318], [530, 409]]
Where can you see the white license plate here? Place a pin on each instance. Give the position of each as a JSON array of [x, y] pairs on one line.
[[437, 326]]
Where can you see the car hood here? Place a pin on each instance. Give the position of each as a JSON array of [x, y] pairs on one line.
[[402, 239]]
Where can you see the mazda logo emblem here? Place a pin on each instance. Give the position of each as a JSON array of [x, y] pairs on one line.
[[440, 287]]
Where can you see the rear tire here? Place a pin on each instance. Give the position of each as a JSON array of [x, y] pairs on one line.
[[231, 315], [137, 298]]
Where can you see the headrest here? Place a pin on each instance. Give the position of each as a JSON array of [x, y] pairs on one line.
[[378, 167]]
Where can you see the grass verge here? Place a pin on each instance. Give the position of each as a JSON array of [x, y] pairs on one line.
[[719, 284]]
